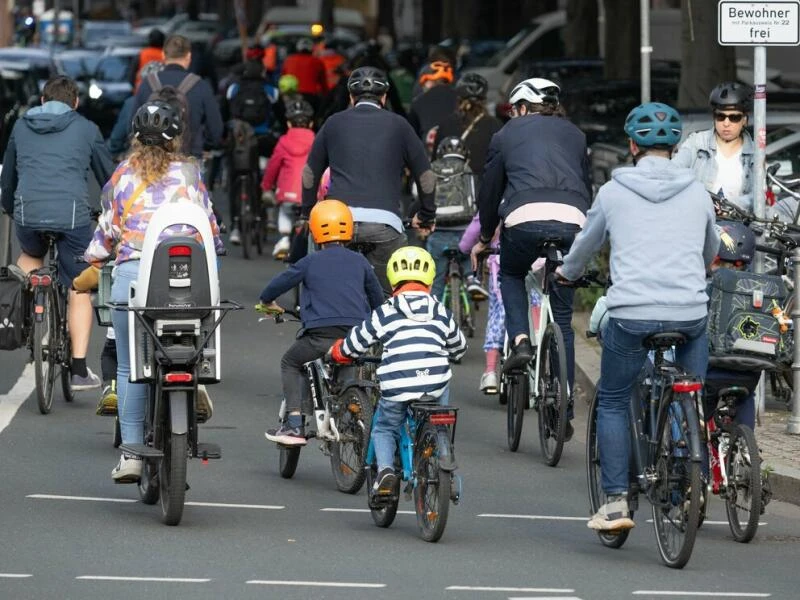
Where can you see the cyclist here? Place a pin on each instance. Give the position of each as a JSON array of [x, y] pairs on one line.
[[153, 52], [722, 157], [312, 81], [119, 139], [538, 166], [660, 222], [438, 101], [366, 149], [419, 338], [285, 168], [287, 85], [45, 187], [252, 99], [155, 173], [339, 290]]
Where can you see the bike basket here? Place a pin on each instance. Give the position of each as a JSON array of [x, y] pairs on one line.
[[101, 311]]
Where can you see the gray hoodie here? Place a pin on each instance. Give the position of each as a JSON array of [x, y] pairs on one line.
[[660, 221]]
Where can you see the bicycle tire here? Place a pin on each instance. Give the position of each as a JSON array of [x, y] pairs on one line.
[[554, 400], [502, 388], [517, 386], [44, 356], [676, 510], [117, 433], [259, 226], [289, 456], [454, 295], [383, 513], [245, 220], [65, 341], [593, 477], [172, 477], [148, 482], [353, 421], [467, 317], [743, 465], [432, 492]]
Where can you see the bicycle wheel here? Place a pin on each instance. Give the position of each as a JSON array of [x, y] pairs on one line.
[[676, 493], [148, 483], [554, 391], [454, 295], [517, 386], [353, 419], [65, 341], [245, 218], [593, 476], [383, 512], [432, 492], [289, 457], [172, 477], [467, 316], [44, 353], [259, 223], [743, 495]]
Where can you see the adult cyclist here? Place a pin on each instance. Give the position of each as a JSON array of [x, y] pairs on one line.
[[367, 149]]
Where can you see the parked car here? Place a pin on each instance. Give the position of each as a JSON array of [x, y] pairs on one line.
[[109, 86], [95, 34]]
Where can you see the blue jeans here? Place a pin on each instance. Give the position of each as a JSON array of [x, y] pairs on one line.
[[436, 244], [622, 360], [131, 397], [386, 429]]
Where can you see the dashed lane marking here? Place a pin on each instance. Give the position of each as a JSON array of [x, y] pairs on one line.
[[227, 505], [333, 584], [129, 500], [141, 579], [15, 575], [701, 594], [487, 588], [760, 523], [362, 510], [533, 517], [10, 402]]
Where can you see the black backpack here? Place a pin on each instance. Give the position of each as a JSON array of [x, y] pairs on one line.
[[251, 103], [244, 152], [177, 96], [12, 306], [455, 191]]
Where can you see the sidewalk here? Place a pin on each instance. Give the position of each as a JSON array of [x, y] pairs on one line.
[[780, 451]]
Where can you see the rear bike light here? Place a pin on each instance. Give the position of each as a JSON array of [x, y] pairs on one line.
[[687, 386], [178, 378], [448, 418], [41, 280], [180, 251]]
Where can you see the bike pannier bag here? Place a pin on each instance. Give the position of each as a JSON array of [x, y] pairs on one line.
[[12, 306]]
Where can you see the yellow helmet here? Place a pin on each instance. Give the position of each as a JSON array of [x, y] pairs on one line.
[[410, 263]]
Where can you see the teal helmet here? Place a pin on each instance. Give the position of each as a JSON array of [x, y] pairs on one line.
[[654, 124]]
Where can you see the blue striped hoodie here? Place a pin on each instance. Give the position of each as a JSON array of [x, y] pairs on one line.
[[418, 335]]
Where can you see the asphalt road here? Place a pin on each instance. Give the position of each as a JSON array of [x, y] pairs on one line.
[[68, 532]]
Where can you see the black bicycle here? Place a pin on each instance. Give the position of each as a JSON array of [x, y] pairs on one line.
[[252, 216]]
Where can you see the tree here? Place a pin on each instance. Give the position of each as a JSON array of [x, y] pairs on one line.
[[326, 14], [704, 63], [386, 17], [622, 39], [581, 35]]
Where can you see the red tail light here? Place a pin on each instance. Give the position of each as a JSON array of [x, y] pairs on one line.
[[180, 251], [687, 386], [178, 378], [448, 418], [41, 280]]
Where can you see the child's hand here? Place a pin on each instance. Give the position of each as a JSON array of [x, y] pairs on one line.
[[336, 353], [270, 309]]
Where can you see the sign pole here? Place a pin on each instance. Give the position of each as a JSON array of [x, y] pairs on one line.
[[646, 49], [759, 171]]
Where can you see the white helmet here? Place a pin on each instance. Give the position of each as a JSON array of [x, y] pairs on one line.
[[536, 91]]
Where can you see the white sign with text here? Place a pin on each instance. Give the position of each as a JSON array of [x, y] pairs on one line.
[[759, 23]]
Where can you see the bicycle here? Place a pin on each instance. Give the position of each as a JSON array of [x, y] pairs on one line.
[[252, 216], [455, 295], [427, 428], [665, 454]]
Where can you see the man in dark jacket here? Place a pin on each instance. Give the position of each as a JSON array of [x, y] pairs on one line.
[[437, 102], [45, 186]]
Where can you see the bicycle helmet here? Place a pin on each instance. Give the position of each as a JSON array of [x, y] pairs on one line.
[[737, 242], [331, 221], [299, 110], [287, 84], [304, 44], [451, 146], [654, 124], [154, 66], [156, 122], [472, 87], [536, 91], [410, 263], [436, 71], [731, 95], [367, 81]]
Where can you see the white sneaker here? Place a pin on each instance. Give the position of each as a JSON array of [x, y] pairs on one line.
[[281, 248], [128, 470], [235, 237], [614, 515], [488, 383]]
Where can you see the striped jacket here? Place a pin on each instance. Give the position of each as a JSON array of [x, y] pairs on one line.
[[418, 335]]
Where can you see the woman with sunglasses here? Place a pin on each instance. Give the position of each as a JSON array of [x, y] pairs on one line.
[[722, 157]]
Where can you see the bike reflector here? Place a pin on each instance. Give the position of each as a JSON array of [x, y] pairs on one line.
[[178, 378], [687, 386], [180, 251], [442, 418], [41, 280]]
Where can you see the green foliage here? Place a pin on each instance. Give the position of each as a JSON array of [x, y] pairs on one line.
[[585, 298]]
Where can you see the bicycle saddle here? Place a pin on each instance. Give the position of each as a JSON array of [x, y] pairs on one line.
[[735, 391], [451, 252], [663, 340]]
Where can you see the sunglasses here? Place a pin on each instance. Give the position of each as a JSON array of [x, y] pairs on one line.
[[732, 117]]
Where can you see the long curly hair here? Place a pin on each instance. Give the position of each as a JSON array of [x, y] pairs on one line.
[[470, 110], [151, 163]]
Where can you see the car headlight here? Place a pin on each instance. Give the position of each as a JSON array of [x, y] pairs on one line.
[[95, 91]]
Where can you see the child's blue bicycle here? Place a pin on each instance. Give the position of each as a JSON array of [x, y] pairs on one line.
[[427, 434]]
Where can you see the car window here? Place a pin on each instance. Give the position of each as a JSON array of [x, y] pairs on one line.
[[114, 68], [78, 67]]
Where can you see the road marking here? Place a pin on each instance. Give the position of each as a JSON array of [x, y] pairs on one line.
[[533, 517], [484, 588], [151, 579], [82, 498], [335, 584], [15, 575], [716, 522], [225, 505], [363, 510], [10, 402], [544, 598], [705, 594]]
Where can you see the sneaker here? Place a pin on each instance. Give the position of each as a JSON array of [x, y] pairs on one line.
[[128, 469], [235, 237], [90, 382], [205, 409], [569, 431], [385, 482], [521, 355], [281, 248], [475, 289], [107, 406], [613, 515], [488, 383], [288, 436]]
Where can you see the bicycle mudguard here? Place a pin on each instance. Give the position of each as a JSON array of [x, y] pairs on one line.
[[358, 383], [178, 411], [695, 439]]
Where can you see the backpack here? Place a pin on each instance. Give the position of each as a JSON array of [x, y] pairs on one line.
[[455, 190], [743, 333], [12, 307], [244, 154], [251, 103], [177, 96]]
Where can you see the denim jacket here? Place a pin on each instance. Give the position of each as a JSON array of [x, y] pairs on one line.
[[698, 152]]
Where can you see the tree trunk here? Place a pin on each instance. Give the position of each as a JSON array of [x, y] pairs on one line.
[[386, 17], [432, 11], [458, 19], [581, 35], [623, 39], [326, 14], [704, 63]]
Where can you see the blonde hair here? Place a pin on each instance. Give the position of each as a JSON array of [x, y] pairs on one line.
[[151, 163]]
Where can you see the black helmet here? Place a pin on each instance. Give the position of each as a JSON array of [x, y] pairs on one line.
[[732, 94], [472, 86], [737, 242], [299, 110], [156, 122], [451, 145], [368, 81], [304, 44]]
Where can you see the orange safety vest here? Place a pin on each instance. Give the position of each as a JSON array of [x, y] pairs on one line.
[[270, 60], [331, 60], [147, 55]]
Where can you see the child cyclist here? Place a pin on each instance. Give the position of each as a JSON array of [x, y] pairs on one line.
[[339, 289], [418, 335]]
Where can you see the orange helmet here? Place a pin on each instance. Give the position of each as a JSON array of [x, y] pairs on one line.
[[331, 221], [438, 70]]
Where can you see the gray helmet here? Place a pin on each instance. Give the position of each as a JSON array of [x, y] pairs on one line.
[[737, 242], [472, 86], [299, 110], [732, 94], [368, 81], [156, 123]]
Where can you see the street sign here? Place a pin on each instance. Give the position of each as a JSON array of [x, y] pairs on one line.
[[758, 23]]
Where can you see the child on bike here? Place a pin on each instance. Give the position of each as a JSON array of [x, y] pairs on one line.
[[285, 168], [419, 337], [339, 289]]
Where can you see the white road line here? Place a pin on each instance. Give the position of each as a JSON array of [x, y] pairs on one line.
[[544, 598], [10, 402], [533, 517], [484, 588], [225, 505], [704, 594], [81, 498], [138, 579], [334, 584], [716, 522], [362, 510], [15, 575]]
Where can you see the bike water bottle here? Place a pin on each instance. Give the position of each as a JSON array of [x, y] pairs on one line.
[[536, 310]]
